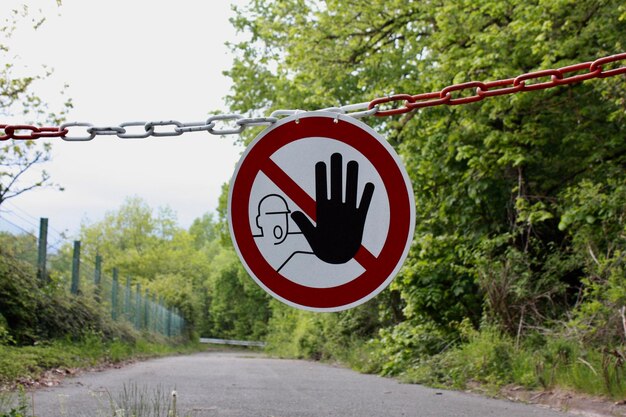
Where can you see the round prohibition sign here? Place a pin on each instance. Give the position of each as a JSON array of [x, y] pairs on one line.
[[324, 130]]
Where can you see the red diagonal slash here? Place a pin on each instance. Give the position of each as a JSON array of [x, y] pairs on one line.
[[307, 204]]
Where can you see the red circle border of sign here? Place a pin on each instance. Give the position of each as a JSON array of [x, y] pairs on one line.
[[399, 192]]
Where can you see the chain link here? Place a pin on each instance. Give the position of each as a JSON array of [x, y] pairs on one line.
[[481, 90], [234, 124], [35, 132], [144, 132], [83, 138]]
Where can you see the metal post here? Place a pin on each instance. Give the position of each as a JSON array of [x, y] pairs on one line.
[[114, 295], [169, 322], [155, 314], [76, 267], [146, 314], [97, 278], [43, 250], [138, 307], [176, 318], [161, 316], [127, 299]]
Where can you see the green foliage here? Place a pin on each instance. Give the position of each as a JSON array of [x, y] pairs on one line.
[[89, 350], [486, 357], [522, 288], [238, 307], [18, 297], [144, 401], [438, 283], [63, 315], [14, 407], [346, 336], [21, 247], [568, 363], [134, 239], [401, 346], [203, 230], [493, 359], [595, 217], [295, 333], [31, 313], [519, 199], [153, 250], [193, 271], [5, 335]]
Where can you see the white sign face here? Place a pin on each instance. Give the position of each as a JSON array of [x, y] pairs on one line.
[[321, 211]]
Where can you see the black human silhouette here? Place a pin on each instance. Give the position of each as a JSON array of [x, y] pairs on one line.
[[336, 236]]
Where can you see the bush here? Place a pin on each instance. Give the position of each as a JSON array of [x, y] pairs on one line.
[[485, 357], [401, 347], [18, 298], [5, 336], [63, 315], [594, 215], [31, 313]]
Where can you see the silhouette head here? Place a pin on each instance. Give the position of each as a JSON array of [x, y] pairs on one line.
[[273, 218]]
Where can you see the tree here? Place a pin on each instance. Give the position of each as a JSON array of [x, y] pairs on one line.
[[132, 238], [191, 270], [238, 308], [492, 179], [19, 158], [149, 247], [203, 230]]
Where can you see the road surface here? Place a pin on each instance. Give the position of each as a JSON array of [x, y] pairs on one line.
[[242, 384]]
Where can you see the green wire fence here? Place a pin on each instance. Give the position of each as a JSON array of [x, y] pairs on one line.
[[125, 301]]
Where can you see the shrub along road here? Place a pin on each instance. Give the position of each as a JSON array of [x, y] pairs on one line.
[[245, 384]]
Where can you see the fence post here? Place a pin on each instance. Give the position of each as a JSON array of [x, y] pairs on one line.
[[154, 314], [97, 277], [161, 316], [127, 299], [169, 322], [76, 267], [175, 330], [43, 250], [146, 311], [114, 295], [138, 307]]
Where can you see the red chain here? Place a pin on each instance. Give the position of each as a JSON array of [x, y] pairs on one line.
[[480, 89], [35, 132], [558, 77]]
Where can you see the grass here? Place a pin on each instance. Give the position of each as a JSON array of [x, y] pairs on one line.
[[142, 401], [484, 359], [19, 364], [14, 404], [131, 400], [492, 360]]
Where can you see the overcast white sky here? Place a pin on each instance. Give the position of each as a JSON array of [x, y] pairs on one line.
[[128, 60]]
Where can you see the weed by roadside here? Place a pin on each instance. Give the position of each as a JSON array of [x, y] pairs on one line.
[[14, 404], [131, 400], [27, 365], [142, 401], [492, 360]]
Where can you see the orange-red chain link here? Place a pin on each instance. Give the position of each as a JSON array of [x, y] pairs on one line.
[[36, 132], [558, 77], [518, 84]]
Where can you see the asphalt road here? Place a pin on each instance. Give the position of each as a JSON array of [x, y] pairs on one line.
[[241, 384]]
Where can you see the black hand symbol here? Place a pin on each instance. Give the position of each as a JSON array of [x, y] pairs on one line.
[[337, 235]]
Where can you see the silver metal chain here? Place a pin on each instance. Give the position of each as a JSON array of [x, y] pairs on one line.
[[221, 124], [233, 124]]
